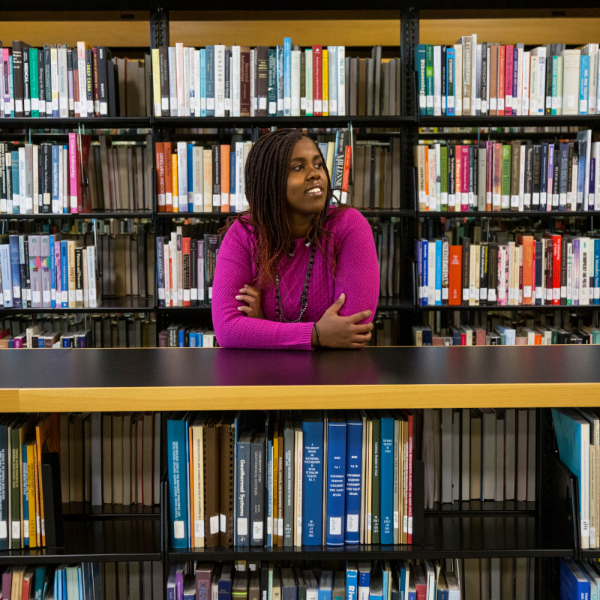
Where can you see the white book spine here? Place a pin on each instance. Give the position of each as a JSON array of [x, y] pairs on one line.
[[437, 81], [473, 73], [36, 178], [22, 182], [458, 63], [542, 81], [198, 179], [533, 85], [487, 98], [477, 81], [239, 175], [182, 176], [54, 78], [235, 90], [91, 273], [192, 53], [295, 83], [219, 80], [519, 102], [522, 179], [179, 78], [58, 205], [341, 81], [63, 84], [186, 80], [252, 80], [197, 82], [173, 81], [81, 73], [525, 83]]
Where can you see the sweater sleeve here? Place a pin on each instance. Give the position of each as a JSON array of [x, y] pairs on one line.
[[357, 273], [234, 329]]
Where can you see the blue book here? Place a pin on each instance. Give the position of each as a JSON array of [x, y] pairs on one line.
[[39, 583], [312, 478], [425, 260], [515, 79], [403, 569], [351, 579], [354, 434], [279, 81], [25, 497], [574, 585], [419, 266], [449, 91], [584, 83], [181, 337], [52, 272], [55, 181], [14, 156], [64, 274], [364, 580], [177, 434], [336, 478], [543, 180], [15, 270], [210, 81], [597, 271], [224, 587], [171, 583], [387, 478], [11, 88], [202, 82], [190, 177], [80, 583], [199, 339], [325, 585], [232, 196], [438, 272], [57, 584], [287, 77]]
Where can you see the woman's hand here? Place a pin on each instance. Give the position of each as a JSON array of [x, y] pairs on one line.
[[252, 297], [342, 332]]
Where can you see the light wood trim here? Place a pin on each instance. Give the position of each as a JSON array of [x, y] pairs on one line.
[[511, 31], [303, 32], [9, 400], [308, 397]]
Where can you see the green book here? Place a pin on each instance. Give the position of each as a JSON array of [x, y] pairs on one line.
[[34, 82], [505, 179], [376, 483], [420, 68], [429, 79], [554, 85], [444, 178]]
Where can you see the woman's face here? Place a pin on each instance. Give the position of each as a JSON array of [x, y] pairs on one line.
[[307, 181]]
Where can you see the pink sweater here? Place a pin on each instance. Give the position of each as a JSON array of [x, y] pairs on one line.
[[357, 276]]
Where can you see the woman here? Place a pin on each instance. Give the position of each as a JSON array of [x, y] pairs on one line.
[[294, 272]]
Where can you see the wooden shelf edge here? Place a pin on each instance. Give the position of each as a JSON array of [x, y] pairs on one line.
[[301, 397], [9, 400]]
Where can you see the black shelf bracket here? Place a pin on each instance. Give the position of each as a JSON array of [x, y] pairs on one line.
[[159, 28]]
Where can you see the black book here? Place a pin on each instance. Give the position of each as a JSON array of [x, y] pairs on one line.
[[41, 83], [492, 296], [451, 174], [46, 180], [337, 177], [564, 175], [163, 54], [103, 57], [227, 83], [563, 268], [17, 54], [113, 88], [572, 160], [303, 83], [211, 250], [2, 173], [548, 97], [216, 178], [262, 81], [472, 174], [528, 187], [89, 82], [48, 79], [466, 242], [483, 273], [79, 278], [484, 81], [444, 81], [26, 82], [257, 490], [70, 72], [193, 272], [556, 179], [372, 173], [26, 276]]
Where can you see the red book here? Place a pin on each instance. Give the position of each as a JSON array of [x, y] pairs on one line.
[[501, 78], [160, 175], [455, 276], [556, 249], [508, 80], [168, 180], [28, 578], [186, 268], [317, 53], [548, 271], [346, 177]]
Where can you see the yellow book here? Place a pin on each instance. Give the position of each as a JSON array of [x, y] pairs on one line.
[[325, 83], [197, 484], [175, 189], [31, 493], [207, 194], [156, 81]]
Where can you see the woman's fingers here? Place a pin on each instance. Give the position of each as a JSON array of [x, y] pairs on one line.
[[246, 298], [248, 289], [245, 309]]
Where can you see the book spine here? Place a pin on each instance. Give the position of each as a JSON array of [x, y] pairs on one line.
[[336, 483], [257, 501], [177, 469], [387, 475], [312, 484], [243, 493]]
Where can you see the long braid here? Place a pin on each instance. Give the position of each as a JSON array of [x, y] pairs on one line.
[[266, 176]]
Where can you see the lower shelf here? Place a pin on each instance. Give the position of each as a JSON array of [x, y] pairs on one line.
[[100, 541], [445, 537]]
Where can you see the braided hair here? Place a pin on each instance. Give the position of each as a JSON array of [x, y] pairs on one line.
[[266, 175]]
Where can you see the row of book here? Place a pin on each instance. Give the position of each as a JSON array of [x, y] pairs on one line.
[[240, 81], [104, 459], [75, 331], [84, 581], [60, 81], [77, 177], [388, 235], [539, 268], [502, 332], [479, 454], [448, 579], [471, 78], [180, 336], [578, 438], [289, 479], [47, 271], [516, 176]]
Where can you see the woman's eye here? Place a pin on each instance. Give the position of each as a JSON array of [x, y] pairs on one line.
[[318, 165], [297, 168]]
